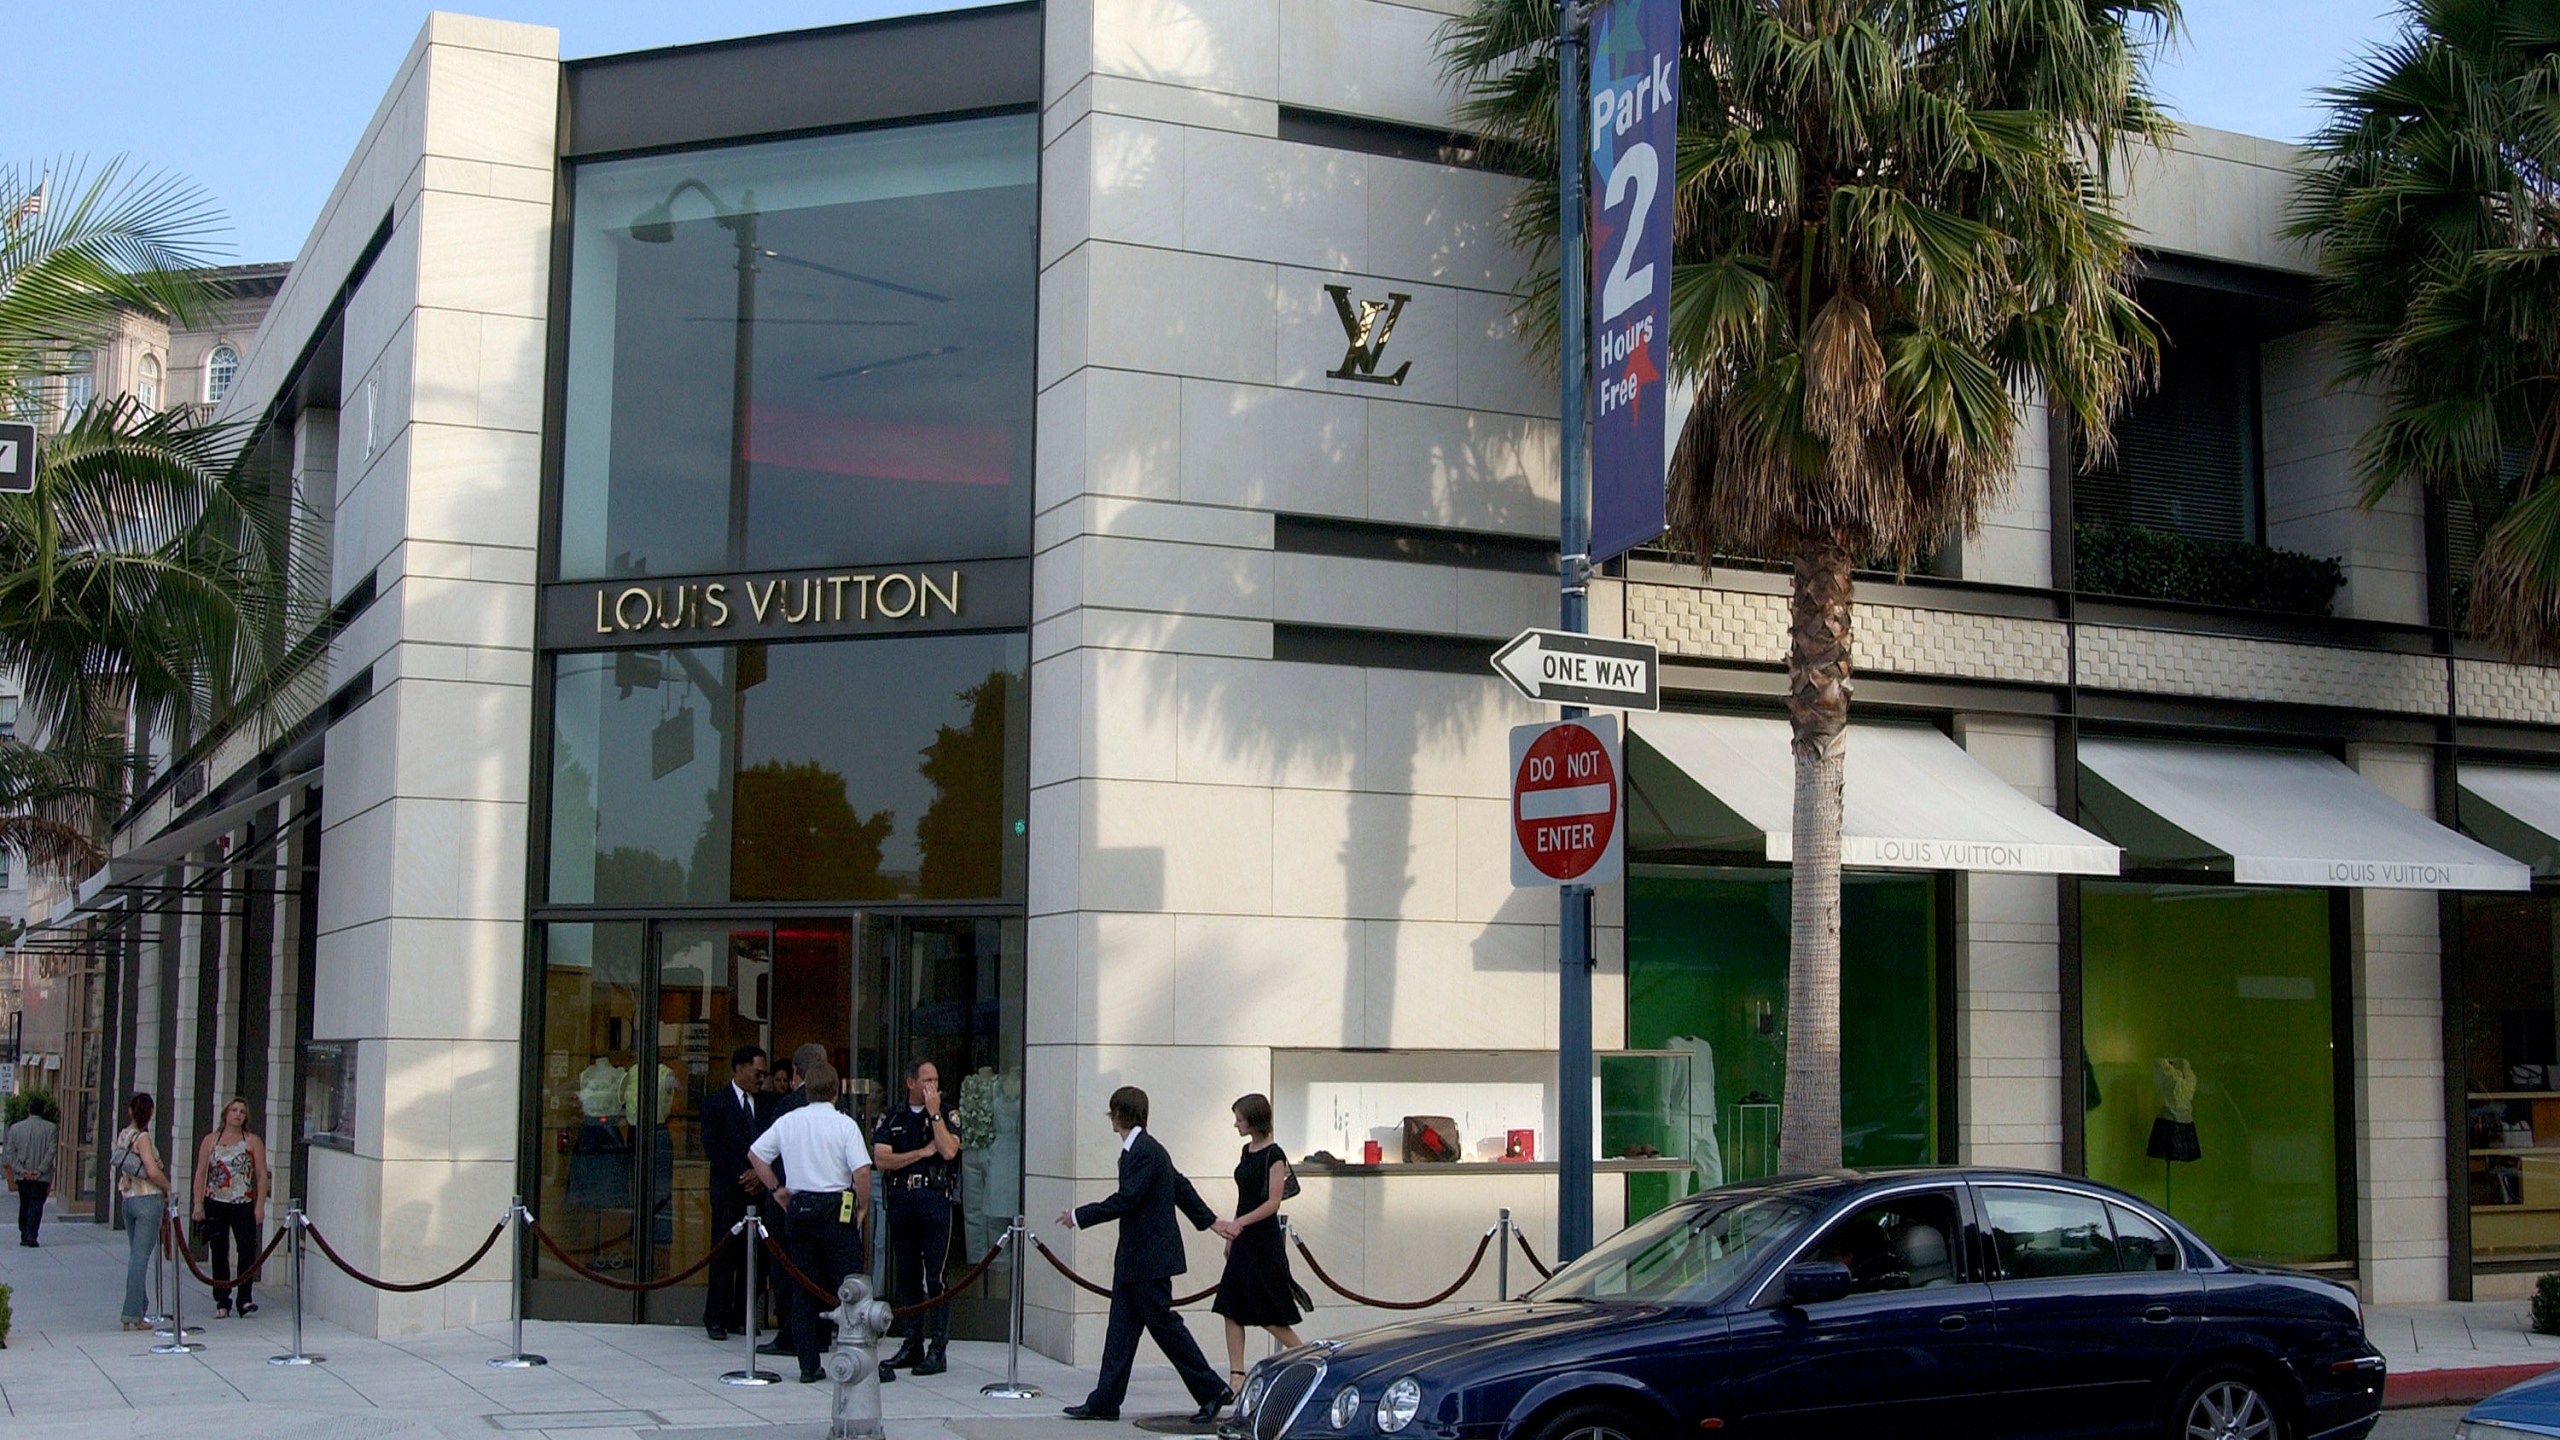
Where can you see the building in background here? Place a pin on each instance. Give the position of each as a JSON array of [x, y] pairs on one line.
[[52, 993], [921, 566]]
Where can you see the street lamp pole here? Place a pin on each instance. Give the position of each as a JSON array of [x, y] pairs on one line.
[[1573, 563]]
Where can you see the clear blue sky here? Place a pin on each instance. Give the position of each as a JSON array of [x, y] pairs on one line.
[[260, 103]]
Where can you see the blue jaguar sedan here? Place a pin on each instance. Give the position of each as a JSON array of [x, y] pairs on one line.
[[1961, 1303]]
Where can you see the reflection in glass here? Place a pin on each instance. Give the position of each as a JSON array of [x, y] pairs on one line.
[[879, 768], [2511, 1043], [588, 1193], [1707, 974], [804, 352], [2214, 1001], [715, 993], [640, 794]]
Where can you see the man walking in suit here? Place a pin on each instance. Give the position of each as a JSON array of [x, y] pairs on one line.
[[1143, 1266], [732, 1117]]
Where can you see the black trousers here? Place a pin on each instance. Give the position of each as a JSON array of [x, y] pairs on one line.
[[233, 1223], [826, 1249], [920, 1241], [724, 1303], [1147, 1305], [31, 1195]]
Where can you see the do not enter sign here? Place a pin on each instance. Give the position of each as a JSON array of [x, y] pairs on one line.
[[1565, 826]]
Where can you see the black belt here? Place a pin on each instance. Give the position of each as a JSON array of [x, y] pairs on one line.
[[903, 1184]]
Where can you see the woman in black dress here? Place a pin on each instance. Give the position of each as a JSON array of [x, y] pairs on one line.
[[1257, 1288]]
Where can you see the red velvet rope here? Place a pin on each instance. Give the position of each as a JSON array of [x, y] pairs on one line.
[[1483, 1243], [630, 1286], [1104, 1290], [446, 1278], [1532, 1257], [255, 1266]]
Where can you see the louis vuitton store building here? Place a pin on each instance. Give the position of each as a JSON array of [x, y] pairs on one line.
[[980, 537]]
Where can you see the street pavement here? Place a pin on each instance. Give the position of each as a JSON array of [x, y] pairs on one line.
[[69, 1373]]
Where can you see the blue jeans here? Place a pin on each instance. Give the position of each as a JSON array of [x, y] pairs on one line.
[[141, 1233]]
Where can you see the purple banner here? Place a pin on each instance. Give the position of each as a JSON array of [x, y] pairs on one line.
[[1635, 91]]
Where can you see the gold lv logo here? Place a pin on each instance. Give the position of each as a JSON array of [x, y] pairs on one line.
[[1367, 332]]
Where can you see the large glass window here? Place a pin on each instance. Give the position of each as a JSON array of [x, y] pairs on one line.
[[878, 768], [2511, 1060], [593, 989], [2209, 1030], [849, 770], [1707, 974], [807, 352], [640, 776]]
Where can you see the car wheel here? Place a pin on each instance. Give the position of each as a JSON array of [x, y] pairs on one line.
[[1592, 1422], [2226, 1403]]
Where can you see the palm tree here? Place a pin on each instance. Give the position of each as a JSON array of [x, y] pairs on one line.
[[2435, 198], [146, 584], [1892, 227]]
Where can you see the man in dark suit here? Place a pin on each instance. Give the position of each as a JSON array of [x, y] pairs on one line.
[[732, 1118], [1148, 1257]]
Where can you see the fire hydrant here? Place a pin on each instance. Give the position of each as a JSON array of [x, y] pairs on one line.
[[854, 1365]]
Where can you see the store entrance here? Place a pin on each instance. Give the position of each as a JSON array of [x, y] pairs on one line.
[[643, 1018]]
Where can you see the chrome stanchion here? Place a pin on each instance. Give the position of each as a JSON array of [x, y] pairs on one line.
[[158, 1319], [176, 1341], [1502, 1257], [752, 1227], [295, 1222], [1012, 1386], [517, 1359]]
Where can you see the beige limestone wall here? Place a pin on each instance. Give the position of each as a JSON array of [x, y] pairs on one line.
[[2398, 1009], [437, 477], [2008, 976]]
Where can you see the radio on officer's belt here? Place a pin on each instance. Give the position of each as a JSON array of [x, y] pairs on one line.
[[844, 1208]]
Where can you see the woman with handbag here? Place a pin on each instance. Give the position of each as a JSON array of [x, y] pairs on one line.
[[231, 1195], [1257, 1288], [142, 1193]]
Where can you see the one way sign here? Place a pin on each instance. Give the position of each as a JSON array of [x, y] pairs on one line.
[[17, 458], [1562, 668]]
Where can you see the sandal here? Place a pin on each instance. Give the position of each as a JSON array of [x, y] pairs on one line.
[[221, 1312]]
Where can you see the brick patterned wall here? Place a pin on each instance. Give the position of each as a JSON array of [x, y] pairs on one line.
[[2494, 690], [1733, 625], [2226, 667]]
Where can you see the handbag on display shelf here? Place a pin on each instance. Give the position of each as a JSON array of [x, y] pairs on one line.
[[1430, 1140]]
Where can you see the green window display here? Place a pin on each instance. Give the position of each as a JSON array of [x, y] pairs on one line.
[[1707, 960], [2209, 1030]]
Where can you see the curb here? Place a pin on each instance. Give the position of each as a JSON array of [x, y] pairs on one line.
[[2454, 1387]]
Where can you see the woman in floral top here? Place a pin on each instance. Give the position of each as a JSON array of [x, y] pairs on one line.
[[231, 1193]]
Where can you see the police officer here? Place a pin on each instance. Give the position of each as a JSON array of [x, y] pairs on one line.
[[916, 1149]]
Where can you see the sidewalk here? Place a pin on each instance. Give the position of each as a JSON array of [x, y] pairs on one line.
[[70, 1374]]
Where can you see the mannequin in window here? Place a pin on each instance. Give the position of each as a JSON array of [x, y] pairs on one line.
[[2173, 1131], [1689, 1116]]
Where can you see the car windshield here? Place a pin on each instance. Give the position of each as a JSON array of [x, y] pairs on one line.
[[1688, 1254]]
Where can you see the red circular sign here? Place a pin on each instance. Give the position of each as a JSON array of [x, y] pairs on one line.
[[1564, 802]]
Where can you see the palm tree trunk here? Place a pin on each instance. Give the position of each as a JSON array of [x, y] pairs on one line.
[[1818, 708]]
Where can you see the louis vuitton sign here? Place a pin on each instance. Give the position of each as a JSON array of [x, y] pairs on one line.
[[869, 600]]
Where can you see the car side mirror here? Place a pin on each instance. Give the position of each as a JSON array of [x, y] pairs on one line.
[[1814, 1281]]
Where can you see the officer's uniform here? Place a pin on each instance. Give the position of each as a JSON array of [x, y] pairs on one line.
[[920, 1201]]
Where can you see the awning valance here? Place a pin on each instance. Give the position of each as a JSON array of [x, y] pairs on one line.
[[176, 844], [1915, 800], [2281, 817], [2515, 808]]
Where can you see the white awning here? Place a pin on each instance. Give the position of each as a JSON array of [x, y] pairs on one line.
[[2282, 817], [2515, 808], [174, 845], [1915, 800]]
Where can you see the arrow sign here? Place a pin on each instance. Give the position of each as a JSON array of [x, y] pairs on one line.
[[17, 458], [1562, 668]]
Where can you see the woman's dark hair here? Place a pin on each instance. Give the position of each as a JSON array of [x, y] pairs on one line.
[[1255, 1111], [137, 1111]]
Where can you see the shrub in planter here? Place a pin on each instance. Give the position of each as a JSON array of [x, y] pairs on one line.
[[2145, 564], [4, 1317], [21, 1103], [2546, 1305]]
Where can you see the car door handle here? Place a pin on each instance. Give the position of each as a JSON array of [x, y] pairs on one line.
[[2158, 1315], [1953, 1322]]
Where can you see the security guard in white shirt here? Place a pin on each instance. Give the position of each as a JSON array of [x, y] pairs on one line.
[[822, 1150]]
